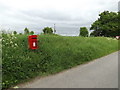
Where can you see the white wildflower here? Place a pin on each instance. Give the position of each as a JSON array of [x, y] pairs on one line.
[[16, 87], [11, 42], [114, 39], [108, 38], [16, 44], [8, 35], [12, 33], [117, 37]]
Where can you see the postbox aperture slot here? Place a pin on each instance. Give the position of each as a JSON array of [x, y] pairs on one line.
[[34, 38]]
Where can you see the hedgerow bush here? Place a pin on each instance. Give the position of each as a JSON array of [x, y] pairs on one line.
[[54, 54]]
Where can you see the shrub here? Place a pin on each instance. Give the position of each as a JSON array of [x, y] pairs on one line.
[[48, 30], [26, 31], [83, 32], [14, 32], [31, 32]]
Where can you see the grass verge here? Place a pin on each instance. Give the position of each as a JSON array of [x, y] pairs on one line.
[[54, 54]]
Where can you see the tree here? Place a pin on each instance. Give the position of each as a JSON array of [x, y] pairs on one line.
[[32, 32], [83, 32], [14, 32], [26, 31], [118, 23], [20, 33], [92, 33], [47, 30], [106, 25]]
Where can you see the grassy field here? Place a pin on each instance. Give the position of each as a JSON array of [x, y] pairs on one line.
[[54, 54]]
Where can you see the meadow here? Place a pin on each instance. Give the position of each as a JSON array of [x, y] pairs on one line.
[[54, 54]]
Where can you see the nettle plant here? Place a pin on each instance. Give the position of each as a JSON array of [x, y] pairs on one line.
[[9, 46]]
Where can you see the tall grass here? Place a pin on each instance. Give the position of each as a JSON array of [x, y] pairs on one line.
[[54, 54]]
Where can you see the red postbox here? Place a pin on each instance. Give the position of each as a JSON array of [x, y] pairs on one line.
[[32, 41]]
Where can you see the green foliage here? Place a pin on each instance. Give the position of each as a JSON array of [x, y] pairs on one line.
[[14, 32], [92, 33], [106, 25], [54, 54], [26, 31], [47, 30], [20, 33], [119, 23], [83, 32], [31, 32]]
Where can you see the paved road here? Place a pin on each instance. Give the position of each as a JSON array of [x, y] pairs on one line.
[[100, 73]]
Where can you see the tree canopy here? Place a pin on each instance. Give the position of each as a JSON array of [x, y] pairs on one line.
[[48, 30], [106, 25], [83, 31], [32, 32], [26, 31], [14, 32]]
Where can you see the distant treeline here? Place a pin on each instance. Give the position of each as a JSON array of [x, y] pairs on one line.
[[106, 25]]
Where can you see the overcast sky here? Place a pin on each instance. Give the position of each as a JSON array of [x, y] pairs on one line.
[[68, 15]]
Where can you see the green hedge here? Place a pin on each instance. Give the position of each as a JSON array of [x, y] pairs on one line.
[[54, 54]]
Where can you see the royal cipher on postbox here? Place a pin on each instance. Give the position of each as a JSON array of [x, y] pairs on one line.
[[32, 41]]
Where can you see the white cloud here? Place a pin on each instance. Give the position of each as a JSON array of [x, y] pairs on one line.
[[35, 14]]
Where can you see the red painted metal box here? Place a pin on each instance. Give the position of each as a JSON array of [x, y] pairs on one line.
[[32, 41]]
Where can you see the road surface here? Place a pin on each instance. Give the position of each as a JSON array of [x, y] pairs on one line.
[[100, 73]]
